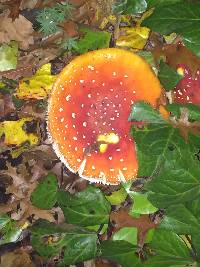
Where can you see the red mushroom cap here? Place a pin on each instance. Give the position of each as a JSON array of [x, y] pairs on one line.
[[89, 109], [188, 89]]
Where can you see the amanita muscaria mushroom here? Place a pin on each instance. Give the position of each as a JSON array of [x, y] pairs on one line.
[[89, 109], [188, 89]]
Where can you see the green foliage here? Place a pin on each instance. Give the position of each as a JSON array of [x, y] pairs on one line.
[[49, 18], [128, 234], [73, 243], [144, 113], [157, 145], [130, 6], [45, 194], [141, 204], [148, 57], [8, 56], [121, 252], [168, 76], [178, 182], [92, 40], [117, 197], [168, 165], [70, 44], [192, 110], [88, 207], [184, 19], [156, 3], [8, 230], [170, 251], [181, 220]]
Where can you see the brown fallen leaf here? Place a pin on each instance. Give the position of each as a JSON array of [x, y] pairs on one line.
[[121, 218], [27, 209], [26, 71], [6, 105], [103, 263], [29, 4], [177, 54], [13, 6], [18, 258], [185, 126], [20, 30], [70, 28]]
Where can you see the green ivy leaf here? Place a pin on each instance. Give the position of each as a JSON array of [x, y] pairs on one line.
[[141, 204], [180, 220], [193, 111], [128, 234], [156, 146], [194, 208], [117, 197], [149, 59], [130, 7], [4, 220], [8, 56], [73, 243], [170, 250], [191, 39], [92, 40], [45, 194], [155, 3], [121, 252], [168, 76], [8, 230], [177, 183], [88, 207], [145, 113], [196, 243], [183, 19]]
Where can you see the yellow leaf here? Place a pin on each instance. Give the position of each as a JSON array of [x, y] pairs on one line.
[[170, 38], [144, 16], [37, 87], [14, 133], [15, 153], [135, 38], [110, 19]]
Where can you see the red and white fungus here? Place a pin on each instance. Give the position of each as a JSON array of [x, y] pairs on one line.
[[88, 113], [188, 88]]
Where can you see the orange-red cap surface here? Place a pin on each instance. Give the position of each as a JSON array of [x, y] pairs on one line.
[[89, 109]]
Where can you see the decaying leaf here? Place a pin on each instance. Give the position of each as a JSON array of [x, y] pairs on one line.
[[13, 6], [26, 210], [135, 37], [18, 258], [121, 219], [28, 4], [14, 133], [20, 30], [6, 104], [38, 86], [177, 54]]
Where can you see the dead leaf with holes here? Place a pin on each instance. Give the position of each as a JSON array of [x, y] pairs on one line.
[[20, 207], [38, 86], [14, 134], [20, 30]]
